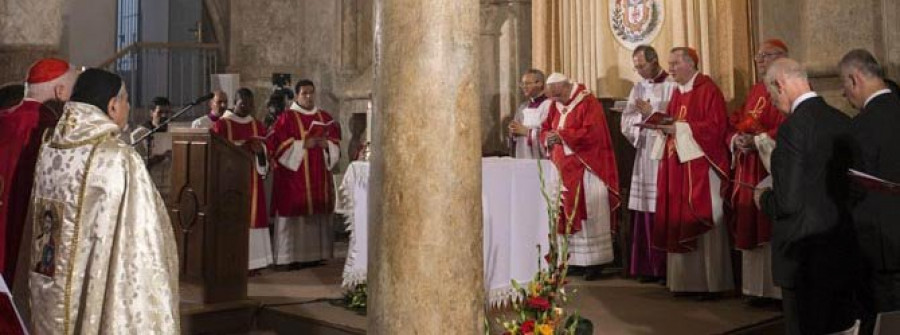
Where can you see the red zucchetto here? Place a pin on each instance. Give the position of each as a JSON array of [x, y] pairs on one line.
[[46, 70]]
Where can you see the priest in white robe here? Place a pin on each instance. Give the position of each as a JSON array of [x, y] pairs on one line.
[[525, 128], [648, 96]]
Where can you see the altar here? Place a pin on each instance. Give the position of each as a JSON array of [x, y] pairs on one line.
[[515, 221]]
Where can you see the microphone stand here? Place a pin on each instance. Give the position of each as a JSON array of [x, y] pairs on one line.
[[166, 122]]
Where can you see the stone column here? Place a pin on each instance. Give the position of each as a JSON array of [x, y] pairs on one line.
[[29, 30], [425, 233]]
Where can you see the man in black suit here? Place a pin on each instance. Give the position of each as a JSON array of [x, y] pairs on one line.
[[876, 214], [813, 249]]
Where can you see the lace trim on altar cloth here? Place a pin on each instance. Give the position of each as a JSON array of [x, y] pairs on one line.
[[345, 205]]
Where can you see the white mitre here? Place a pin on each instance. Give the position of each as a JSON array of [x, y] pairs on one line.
[[557, 77]]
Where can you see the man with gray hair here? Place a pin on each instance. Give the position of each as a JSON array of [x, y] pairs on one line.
[[648, 96], [813, 251], [526, 125], [875, 212], [47, 85]]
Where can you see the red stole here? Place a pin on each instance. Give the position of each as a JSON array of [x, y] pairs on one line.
[[585, 132], [237, 132], [310, 189], [684, 198], [749, 226], [21, 128]]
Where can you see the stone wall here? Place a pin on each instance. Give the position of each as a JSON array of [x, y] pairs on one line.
[[29, 30], [820, 32]]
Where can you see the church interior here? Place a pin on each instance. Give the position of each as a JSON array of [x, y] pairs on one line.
[[423, 93]]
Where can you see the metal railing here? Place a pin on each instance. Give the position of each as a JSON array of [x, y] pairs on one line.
[[178, 71]]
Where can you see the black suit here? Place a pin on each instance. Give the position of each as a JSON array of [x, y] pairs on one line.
[[877, 215], [813, 248]]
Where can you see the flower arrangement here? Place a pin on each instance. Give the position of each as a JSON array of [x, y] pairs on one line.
[[539, 307]]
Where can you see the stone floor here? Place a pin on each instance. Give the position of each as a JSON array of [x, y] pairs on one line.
[[615, 305]]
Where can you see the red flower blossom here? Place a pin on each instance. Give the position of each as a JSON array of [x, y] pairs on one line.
[[538, 303], [528, 327]]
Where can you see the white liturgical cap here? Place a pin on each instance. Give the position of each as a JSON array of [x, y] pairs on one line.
[[557, 77]]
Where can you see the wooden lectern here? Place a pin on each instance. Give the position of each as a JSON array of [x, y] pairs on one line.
[[209, 206]]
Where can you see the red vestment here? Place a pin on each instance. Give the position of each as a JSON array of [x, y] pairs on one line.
[[586, 133], [749, 226], [684, 198], [310, 189], [240, 133], [21, 128]]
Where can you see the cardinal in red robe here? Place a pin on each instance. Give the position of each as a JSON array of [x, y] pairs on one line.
[[751, 137], [240, 128], [579, 144], [693, 164], [305, 141], [48, 84]]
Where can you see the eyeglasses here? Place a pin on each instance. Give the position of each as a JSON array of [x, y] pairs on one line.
[[764, 55], [526, 83]]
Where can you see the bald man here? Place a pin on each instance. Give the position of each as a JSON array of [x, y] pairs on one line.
[[814, 253], [217, 107]]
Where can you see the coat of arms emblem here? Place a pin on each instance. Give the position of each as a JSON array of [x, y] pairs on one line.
[[635, 22]]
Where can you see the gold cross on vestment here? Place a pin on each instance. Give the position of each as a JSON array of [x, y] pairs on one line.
[[758, 110]]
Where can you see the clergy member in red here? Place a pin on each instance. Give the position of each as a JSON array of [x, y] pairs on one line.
[[305, 143], [693, 165], [47, 85], [751, 138], [577, 138], [240, 128]]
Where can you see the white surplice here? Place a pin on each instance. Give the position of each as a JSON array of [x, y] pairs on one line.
[[307, 238], [529, 146], [642, 194]]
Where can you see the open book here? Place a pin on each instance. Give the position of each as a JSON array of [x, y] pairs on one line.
[[656, 119], [873, 183], [319, 129]]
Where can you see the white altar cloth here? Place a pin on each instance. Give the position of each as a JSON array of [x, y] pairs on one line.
[[515, 221]]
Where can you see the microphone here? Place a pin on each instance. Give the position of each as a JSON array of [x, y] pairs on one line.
[[165, 122], [202, 99]]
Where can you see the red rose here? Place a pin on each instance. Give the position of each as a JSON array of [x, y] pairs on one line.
[[528, 327], [538, 303]]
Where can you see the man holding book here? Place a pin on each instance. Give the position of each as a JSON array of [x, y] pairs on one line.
[[305, 142], [693, 161], [876, 211], [240, 128]]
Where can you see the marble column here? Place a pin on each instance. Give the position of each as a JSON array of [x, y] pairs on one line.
[[425, 227], [29, 30]]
